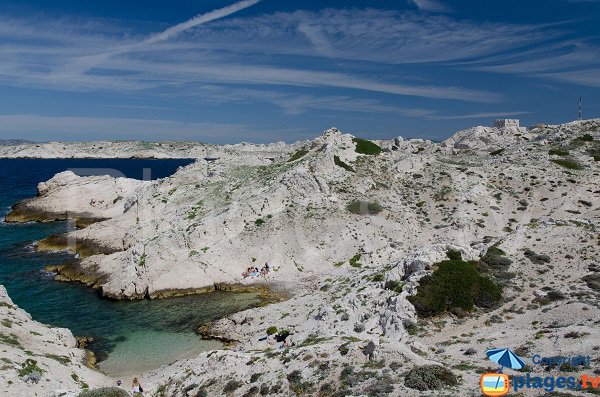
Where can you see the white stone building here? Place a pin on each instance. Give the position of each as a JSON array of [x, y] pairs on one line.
[[506, 123]]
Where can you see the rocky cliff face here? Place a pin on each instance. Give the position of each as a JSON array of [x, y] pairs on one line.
[[38, 360]]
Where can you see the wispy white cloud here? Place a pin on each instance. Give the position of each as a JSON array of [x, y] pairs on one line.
[[85, 63], [199, 20], [430, 5], [191, 57], [570, 61], [194, 60], [477, 115]]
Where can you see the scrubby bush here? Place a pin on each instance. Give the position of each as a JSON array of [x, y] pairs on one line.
[[360, 207], [232, 386], [298, 155], [429, 377], [568, 163], [377, 277], [495, 263], [253, 391], [364, 146], [354, 261], [105, 392], [394, 285], [340, 163], [454, 255], [297, 385], [593, 281], [538, 259], [455, 285], [585, 138], [272, 330], [558, 152]]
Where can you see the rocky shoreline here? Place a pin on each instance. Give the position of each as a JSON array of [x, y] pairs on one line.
[[40, 360], [354, 226]]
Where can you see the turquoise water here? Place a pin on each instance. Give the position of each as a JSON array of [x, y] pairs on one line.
[[129, 336]]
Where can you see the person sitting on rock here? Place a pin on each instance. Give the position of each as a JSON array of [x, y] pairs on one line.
[[265, 270]]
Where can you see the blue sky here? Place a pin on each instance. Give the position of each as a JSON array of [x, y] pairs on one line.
[[226, 71]]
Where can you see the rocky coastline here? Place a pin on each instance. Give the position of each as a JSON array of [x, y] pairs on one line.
[[355, 227]]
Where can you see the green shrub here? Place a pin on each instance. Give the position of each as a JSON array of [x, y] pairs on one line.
[[558, 152], [538, 259], [454, 255], [585, 138], [354, 261], [360, 207], [232, 386], [105, 392], [394, 285], [259, 222], [455, 284], [297, 385], [364, 146], [340, 163], [272, 330], [430, 377], [496, 263], [568, 163], [377, 278], [30, 366], [298, 155]]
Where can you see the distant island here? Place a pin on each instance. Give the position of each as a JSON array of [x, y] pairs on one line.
[[14, 142]]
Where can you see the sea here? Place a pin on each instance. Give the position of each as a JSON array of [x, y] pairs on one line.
[[130, 337]]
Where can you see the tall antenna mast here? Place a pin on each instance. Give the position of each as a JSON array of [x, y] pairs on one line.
[[580, 114]]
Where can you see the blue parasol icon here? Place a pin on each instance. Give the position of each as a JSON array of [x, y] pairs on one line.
[[505, 358]]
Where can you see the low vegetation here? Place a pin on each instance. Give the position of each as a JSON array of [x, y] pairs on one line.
[[430, 377], [568, 163], [340, 163], [364, 146], [558, 152], [105, 392], [298, 155], [354, 261], [360, 207], [455, 286], [495, 263]]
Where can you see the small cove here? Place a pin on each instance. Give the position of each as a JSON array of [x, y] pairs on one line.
[[129, 337]]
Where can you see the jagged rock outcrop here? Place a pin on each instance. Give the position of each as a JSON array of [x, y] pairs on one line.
[[36, 359]]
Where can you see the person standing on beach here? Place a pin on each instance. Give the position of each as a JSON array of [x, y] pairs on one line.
[[136, 387]]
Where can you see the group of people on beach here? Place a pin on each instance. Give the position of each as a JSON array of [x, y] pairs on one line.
[[254, 272]]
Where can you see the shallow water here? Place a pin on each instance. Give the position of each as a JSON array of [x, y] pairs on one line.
[[131, 337]]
